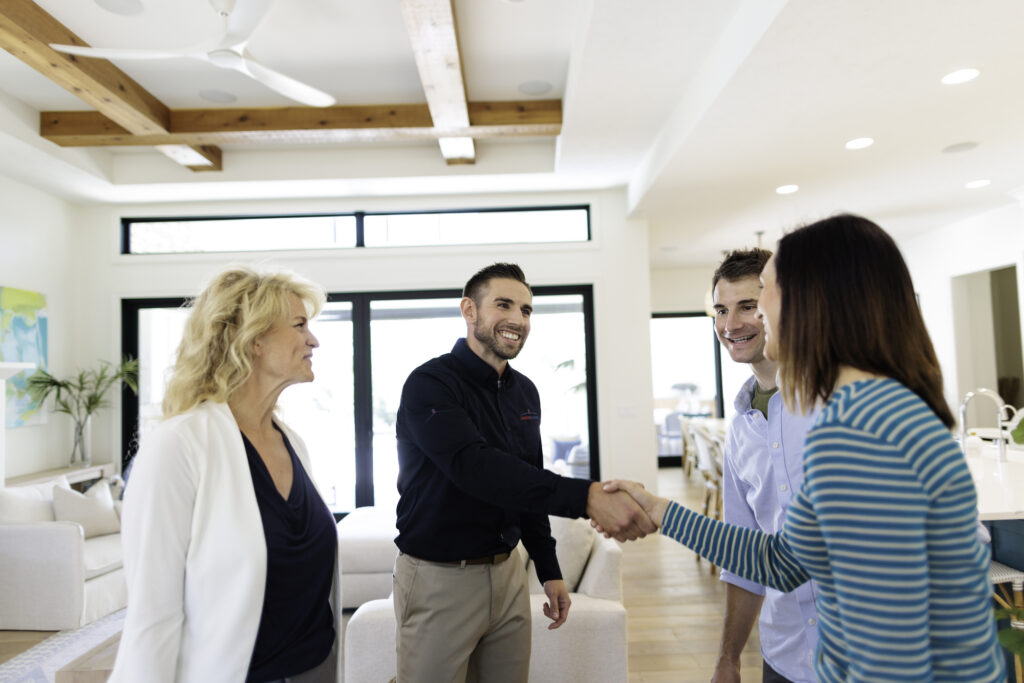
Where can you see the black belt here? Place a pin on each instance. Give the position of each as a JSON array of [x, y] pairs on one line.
[[486, 559]]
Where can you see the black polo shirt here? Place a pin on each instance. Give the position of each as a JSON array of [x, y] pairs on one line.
[[470, 465]]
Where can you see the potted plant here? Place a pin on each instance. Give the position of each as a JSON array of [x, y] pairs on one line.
[[82, 395]]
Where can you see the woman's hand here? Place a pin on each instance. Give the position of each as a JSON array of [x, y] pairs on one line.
[[654, 506]]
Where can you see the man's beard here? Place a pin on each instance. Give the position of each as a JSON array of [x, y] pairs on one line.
[[489, 339]]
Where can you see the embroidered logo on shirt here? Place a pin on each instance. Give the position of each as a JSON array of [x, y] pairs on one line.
[[529, 415]]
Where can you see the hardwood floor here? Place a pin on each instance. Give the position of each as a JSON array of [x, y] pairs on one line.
[[13, 643], [674, 606]]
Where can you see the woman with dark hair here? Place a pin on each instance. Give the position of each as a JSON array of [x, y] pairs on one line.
[[885, 519]]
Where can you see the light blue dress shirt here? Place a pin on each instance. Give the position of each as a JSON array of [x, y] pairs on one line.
[[764, 467]]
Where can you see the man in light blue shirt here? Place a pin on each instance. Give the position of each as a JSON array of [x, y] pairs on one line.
[[763, 468]]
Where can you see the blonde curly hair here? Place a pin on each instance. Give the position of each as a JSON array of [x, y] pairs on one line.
[[239, 305]]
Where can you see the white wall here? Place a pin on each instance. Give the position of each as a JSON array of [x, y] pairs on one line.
[[994, 239], [615, 262], [680, 290], [36, 253]]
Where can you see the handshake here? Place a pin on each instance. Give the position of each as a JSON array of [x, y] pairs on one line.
[[624, 510]]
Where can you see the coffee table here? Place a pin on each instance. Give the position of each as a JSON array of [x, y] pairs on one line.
[[92, 667]]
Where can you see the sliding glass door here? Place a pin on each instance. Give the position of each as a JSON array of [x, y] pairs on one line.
[[404, 333], [369, 343]]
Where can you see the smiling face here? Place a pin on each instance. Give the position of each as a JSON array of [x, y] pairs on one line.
[[498, 323], [284, 355], [769, 307], [737, 324]]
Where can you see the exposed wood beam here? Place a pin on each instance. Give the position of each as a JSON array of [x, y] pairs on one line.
[[435, 44], [195, 157], [26, 32], [291, 125]]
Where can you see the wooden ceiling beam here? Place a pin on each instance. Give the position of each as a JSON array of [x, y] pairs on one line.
[[306, 125], [435, 44], [26, 31]]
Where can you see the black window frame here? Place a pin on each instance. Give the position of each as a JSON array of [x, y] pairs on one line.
[[362, 383], [128, 221]]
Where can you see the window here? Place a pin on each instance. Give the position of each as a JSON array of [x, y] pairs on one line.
[[369, 343], [264, 233], [356, 230], [692, 377], [474, 227], [684, 366]]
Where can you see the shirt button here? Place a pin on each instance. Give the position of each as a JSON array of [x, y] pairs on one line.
[[811, 622], [784, 487], [775, 444]]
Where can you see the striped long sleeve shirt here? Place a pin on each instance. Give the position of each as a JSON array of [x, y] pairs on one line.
[[885, 524]]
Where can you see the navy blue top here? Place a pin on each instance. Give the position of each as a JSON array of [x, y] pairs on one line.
[[296, 626], [470, 465]]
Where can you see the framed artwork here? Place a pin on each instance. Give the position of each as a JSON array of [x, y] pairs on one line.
[[23, 338]]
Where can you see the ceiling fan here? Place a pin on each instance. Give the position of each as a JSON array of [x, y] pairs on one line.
[[241, 17]]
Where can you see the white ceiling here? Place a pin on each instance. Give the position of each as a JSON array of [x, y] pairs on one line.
[[700, 108]]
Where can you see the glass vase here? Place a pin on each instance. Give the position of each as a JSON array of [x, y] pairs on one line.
[[81, 446]]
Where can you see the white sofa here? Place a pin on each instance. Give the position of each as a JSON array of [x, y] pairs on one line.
[[367, 552], [52, 577], [590, 646]]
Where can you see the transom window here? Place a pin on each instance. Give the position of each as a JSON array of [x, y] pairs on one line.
[[355, 230]]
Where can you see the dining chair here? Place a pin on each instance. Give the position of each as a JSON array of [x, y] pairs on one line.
[[709, 462], [999, 575], [689, 449]]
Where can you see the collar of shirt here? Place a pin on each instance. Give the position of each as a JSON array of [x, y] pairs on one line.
[[476, 368], [745, 395]]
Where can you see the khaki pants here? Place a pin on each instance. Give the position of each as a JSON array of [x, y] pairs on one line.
[[462, 623]]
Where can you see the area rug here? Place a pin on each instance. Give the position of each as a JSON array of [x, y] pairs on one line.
[[39, 663]]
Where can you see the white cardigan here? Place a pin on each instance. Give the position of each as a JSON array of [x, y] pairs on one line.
[[195, 557]]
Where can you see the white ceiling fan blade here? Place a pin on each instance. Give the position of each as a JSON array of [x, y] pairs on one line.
[[118, 53], [287, 86]]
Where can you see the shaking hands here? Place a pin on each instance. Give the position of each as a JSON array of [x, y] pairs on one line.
[[624, 510]]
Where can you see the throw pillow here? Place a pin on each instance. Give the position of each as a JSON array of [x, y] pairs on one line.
[[94, 510], [573, 540], [30, 503], [24, 504]]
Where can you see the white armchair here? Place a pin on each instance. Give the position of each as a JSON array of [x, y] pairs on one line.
[[51, 576], [590, 646]]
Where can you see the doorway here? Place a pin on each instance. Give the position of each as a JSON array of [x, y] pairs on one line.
[[987, 329]]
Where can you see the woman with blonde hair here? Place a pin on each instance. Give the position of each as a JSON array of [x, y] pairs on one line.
[[884, 521], [229, 551]]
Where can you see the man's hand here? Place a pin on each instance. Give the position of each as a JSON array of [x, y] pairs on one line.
[[557, 607], [726, 672], [653, 506], [616, 514]]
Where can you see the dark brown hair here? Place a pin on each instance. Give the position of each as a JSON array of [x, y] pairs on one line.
[[741, 263], [509, 271], [847, 299]]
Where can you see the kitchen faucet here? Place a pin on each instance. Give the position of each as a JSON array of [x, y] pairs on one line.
[[1001, 409]]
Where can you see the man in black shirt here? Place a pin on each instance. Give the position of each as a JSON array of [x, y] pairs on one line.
[[472, 485]]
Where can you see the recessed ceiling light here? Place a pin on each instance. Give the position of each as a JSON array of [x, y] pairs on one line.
[[218, 96], [125, 7], [980, 182], [534, 87], [959, 147], [859, 143], [786, 189], [960, 76]]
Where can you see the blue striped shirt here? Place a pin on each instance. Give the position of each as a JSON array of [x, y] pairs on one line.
[[885, 525]]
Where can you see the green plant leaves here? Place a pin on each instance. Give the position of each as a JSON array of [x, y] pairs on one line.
[[83, 394]]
